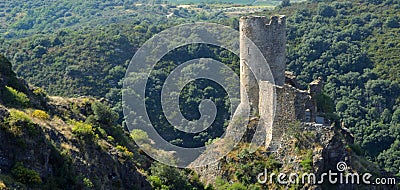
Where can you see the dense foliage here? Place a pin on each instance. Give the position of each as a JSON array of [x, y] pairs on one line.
[[191, 95], [167, 177], [89, 56], [25, 175]]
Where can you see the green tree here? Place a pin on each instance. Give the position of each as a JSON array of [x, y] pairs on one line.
[[25, 175], [326, 10], [392, 22], [104, 114], [386, 116], [167, 177], [285, 3], [38, 51], [396, 116]]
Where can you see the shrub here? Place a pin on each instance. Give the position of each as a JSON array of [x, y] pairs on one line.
[[102, 132], [167, 177], [2, 185], [392, 22], [110, 139], [10, 181], [140, 136], [237, 186], [87, 183], [156, 182], [81, 129], [121, 148], [16, 115], [19, 119], [326, 105], [285, 3], [14, 98], [221, 184], [326, 10], [308, 161], [39, 92], [25, 175], [124, 151], [104, 114], [40, 114]]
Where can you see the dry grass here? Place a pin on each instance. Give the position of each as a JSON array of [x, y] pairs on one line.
[[69, 147]]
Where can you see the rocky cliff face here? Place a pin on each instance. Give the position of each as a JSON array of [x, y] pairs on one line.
[[39, 148], [305, 148]]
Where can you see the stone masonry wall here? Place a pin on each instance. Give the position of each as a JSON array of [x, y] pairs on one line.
[[270, 39], [290, 106]]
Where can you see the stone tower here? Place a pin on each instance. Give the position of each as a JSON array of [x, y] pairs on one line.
[[270, 38]]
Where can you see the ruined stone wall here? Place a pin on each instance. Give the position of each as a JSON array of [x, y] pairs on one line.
[[315, 88], [266, 107], [290, 106], [270, 39]]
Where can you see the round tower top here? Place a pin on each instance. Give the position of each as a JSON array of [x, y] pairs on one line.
[[276, 19]]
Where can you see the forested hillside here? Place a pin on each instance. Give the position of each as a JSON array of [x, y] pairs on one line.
[[90, 56], [353, 45]]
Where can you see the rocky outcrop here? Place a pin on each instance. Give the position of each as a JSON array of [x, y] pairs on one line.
[[54, 153], [47, 147]]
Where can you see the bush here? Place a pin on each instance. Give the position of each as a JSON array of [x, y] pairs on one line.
[[124, 151], [104, 114], [392, 22], [307, 162], [2, 185], [102, 132], [16, 115], [10, 181], [25, 175], [285, 3], [39, 92], [156, 182], [110, 139], [326, 10], [167, 177], [81, 129], [326, 105], [237, 186], [223, 184], [87, 183], [140, 136], [14, 98], [17, 120], [40, 114]]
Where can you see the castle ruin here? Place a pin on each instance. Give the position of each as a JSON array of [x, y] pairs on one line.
[[291, 103], [259, 85]]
